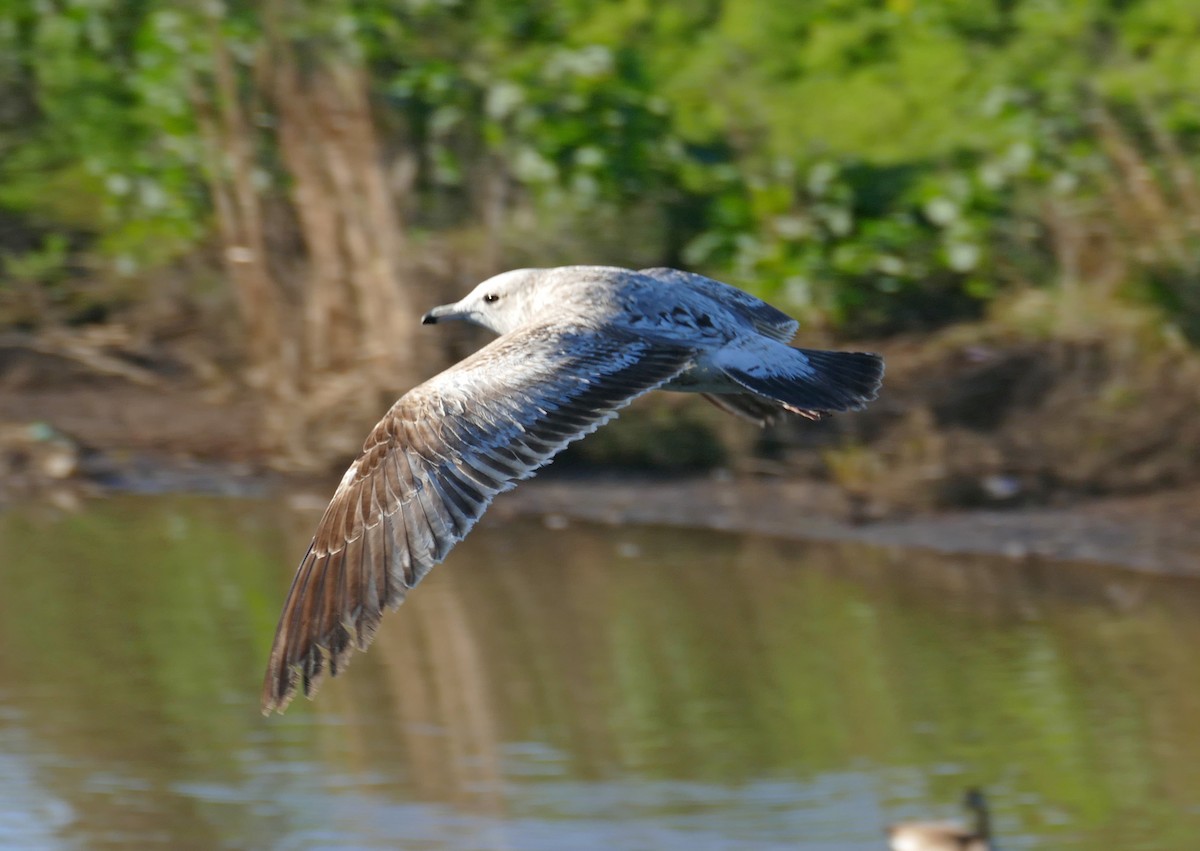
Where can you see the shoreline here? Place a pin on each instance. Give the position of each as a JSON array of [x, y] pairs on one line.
[[1149, 534], [1155, 534]]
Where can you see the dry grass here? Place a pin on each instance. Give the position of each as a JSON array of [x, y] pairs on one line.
[[1126, 259]]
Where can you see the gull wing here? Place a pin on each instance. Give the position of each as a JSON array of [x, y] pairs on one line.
[[432, 466], [766, 320]]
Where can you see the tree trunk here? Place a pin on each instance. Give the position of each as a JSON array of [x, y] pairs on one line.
[[324, 356], [230, 142], [359, 319]]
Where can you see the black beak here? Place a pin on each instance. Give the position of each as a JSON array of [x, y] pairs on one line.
[[445, 311]]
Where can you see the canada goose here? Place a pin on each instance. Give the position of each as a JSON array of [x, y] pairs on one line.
[[576, 345], [946, 835]]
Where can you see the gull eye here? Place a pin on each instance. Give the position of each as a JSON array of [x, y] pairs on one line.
[[491, 298]]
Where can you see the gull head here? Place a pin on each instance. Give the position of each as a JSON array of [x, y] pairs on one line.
[[501, 304]]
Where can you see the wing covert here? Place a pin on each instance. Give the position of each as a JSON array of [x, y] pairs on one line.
[[766, 319]]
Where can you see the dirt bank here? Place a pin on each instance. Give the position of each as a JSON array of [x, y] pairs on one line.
[[119, 402], [1154, 533]]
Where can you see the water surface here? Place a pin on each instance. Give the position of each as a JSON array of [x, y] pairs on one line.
[[586, 688]]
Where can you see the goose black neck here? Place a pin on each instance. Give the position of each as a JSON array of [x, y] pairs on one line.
[[977, 804]]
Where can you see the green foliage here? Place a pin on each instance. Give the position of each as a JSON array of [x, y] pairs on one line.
[[97, 147], [868, 247], [889, 168], [32, 282], [878, 166]]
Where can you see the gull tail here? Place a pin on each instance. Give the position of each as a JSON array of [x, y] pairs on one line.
[[804, 381]]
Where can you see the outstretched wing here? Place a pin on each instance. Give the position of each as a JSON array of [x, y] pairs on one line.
[[432, 466], [766, 320]]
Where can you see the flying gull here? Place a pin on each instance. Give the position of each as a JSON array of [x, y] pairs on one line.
[[576, 345]]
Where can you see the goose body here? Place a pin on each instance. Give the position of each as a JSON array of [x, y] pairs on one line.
[[946, 835]]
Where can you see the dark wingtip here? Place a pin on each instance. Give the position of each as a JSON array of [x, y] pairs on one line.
[[278, 692], [429, 319], [282, 684]]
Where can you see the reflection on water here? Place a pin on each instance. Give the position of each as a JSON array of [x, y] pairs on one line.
[[591, 688]]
